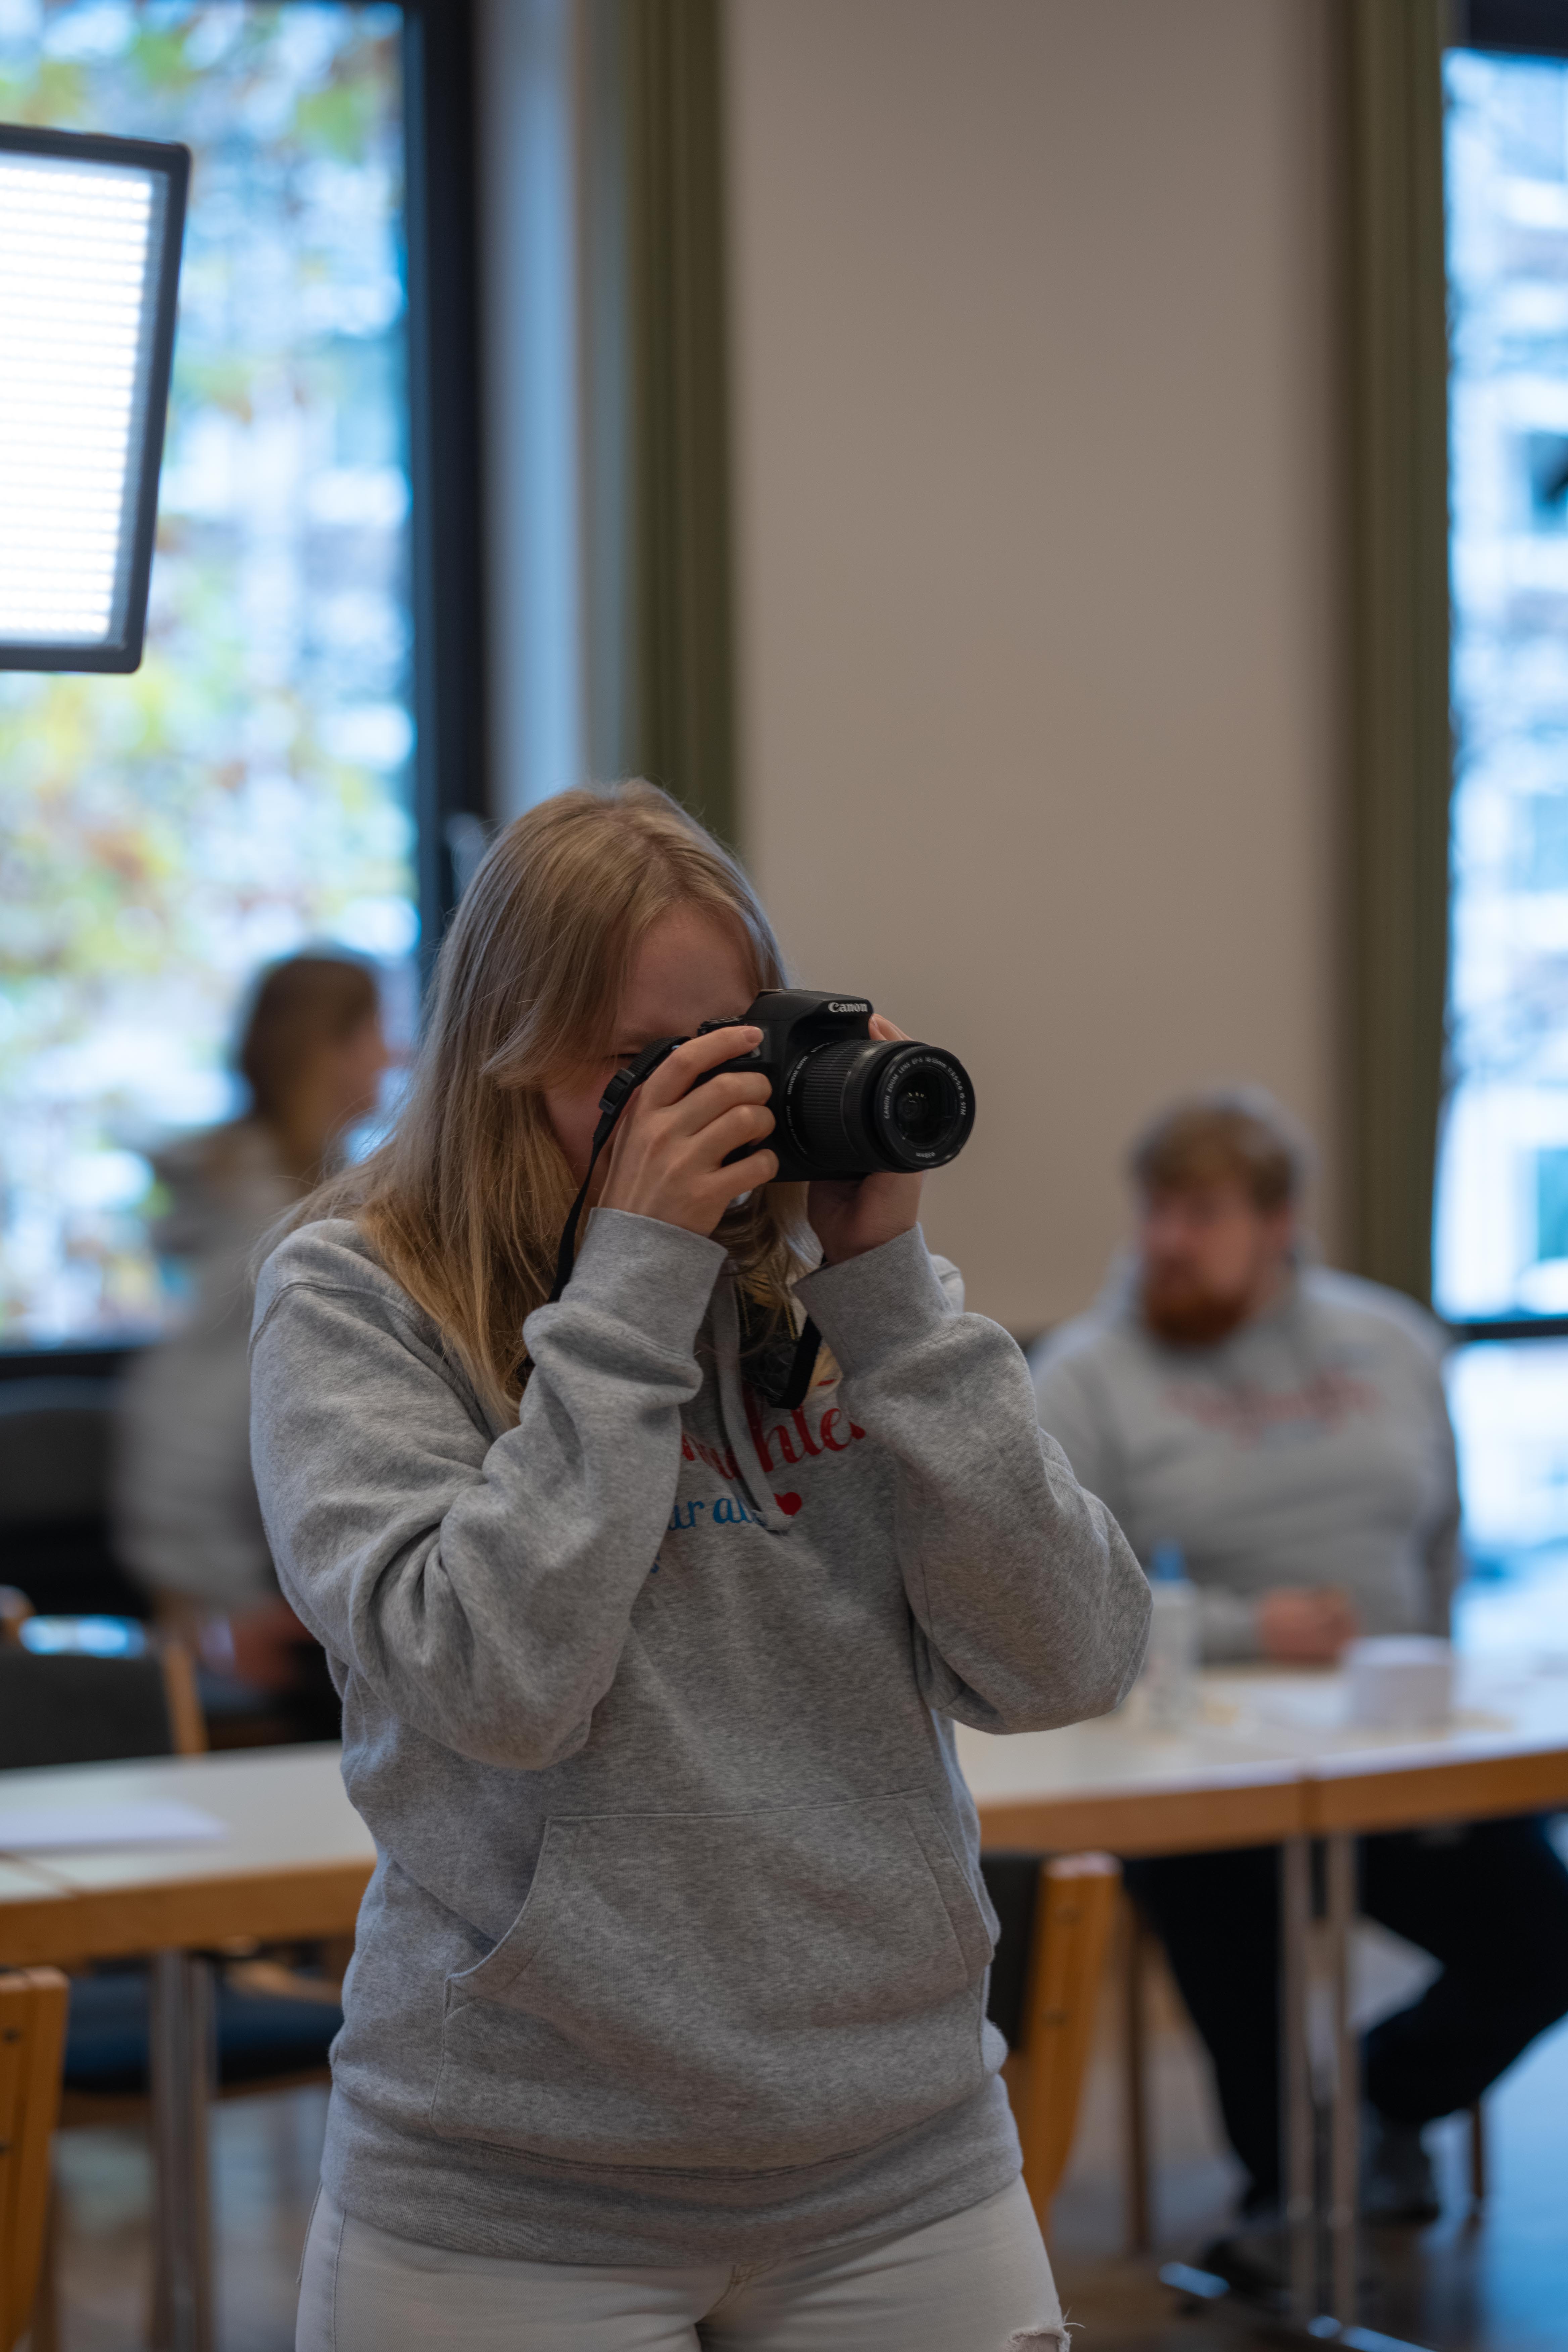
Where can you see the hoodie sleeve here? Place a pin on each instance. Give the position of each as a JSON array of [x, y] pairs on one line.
[[1076, 1416], [1031, 1609], [482, 1587]]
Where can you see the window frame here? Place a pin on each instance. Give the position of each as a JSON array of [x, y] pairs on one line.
[[447, 554], [447, 549]]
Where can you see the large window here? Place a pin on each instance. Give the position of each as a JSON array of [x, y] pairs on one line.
[[1502, 1226], [1500, 1254], [250, 789]]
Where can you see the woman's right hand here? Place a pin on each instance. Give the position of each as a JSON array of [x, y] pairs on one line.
[[666, 1158]]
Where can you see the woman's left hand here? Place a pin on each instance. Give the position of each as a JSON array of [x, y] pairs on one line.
[[854, 1215]]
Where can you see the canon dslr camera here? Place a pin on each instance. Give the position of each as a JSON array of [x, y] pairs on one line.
[[846, 1103]]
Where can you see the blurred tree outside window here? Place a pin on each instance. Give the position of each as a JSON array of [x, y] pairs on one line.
[[247, 792], [1501, 1257]]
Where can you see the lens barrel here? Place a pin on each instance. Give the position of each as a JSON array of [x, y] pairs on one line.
[[863, 1105]]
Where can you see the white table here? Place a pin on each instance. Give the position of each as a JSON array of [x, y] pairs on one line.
[[1266, 1763], [294, 1863], [1269, 1760]]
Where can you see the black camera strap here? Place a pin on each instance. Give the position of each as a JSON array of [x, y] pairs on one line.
[[760, 1354], [612, 1102]]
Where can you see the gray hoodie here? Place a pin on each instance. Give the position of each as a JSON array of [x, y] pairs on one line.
[[1312, 1447], [186, 1514], [675, 1940]]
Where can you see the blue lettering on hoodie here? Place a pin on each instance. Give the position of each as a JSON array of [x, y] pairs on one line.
[[725, 1511]]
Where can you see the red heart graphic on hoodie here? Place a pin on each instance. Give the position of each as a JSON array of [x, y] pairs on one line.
[[788, 1503]]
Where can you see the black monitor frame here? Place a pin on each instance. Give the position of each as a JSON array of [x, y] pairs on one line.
[[123, 652]]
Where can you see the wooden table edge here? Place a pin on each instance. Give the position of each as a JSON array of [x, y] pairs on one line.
[[94, 1923], [1146, 1821], [1467, 1788]]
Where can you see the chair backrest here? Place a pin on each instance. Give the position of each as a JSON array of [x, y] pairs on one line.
[[32, 2047], [77, 1710], [56, 1433], [1073, 1913], [56, 1440]]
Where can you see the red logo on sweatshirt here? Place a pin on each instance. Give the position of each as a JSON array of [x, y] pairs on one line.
[[1248, 1413], [835, 1433], [783, 1445]]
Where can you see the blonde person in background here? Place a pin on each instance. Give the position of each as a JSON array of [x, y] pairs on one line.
[[187, 1524], [1286, 1426]]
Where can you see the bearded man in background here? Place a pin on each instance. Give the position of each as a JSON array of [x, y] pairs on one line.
[[1286, 1427]]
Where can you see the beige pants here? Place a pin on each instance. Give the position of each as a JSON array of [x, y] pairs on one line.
[[977, 2282]]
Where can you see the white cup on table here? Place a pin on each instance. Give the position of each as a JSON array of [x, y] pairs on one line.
[[1399, 1682]]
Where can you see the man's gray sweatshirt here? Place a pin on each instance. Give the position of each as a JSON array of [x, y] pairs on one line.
[[676, 1942], [1312, 1447]]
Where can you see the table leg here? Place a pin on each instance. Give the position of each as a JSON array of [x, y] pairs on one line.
[[1296, 2077], [1135, 2063], [182, 2025], [1345, 2112]]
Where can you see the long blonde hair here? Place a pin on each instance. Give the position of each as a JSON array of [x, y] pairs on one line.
[[464, 1202]]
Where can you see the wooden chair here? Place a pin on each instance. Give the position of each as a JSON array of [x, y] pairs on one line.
[[1073, 1912], [32, 2042], [56, 1438], [71, 1709], [272, 2029]]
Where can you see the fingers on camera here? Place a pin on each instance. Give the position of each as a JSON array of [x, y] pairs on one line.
[[718, 1045], [746, 1175], [747, 1123], [741, 1119]]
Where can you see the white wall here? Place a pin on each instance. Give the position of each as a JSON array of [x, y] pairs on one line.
[[1037, 583]]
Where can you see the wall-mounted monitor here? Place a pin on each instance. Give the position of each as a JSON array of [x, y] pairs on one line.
[[90, 259]]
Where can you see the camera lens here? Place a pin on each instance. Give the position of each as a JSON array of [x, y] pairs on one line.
[[922, 1107], [864, 1105], [920, 1111]]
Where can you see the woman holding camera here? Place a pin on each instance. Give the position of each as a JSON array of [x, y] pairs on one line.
[[666, 2022]]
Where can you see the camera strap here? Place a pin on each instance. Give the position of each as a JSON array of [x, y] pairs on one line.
[[760, 1354], [612, 1102]]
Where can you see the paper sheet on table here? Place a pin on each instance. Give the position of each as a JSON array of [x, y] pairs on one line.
[[63, 1829]]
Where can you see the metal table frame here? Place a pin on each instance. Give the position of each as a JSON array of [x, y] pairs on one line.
[[1331, 1793]]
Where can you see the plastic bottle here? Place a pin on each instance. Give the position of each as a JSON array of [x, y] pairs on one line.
[[1170, 1670]]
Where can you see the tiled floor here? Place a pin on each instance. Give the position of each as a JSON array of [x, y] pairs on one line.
[[1499, 2286]]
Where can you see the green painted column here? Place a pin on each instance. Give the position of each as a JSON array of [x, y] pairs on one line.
[[657, 419], [1399, 538]]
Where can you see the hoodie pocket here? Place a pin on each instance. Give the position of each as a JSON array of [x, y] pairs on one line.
[[729, 1991]]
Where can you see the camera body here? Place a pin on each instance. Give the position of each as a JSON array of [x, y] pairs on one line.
[[847, 1104]]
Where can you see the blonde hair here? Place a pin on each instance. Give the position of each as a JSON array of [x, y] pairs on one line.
[[465, 1201]]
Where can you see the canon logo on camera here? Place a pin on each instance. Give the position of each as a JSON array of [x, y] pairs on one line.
[[848, 1004]]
